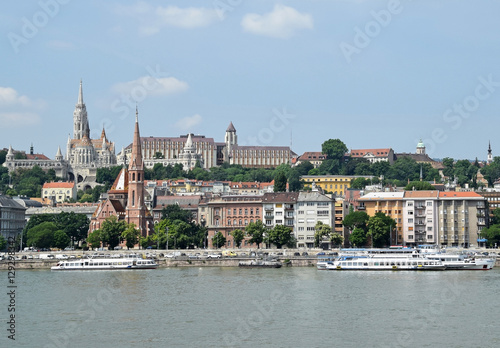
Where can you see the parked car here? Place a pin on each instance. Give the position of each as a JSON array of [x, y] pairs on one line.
[[214, 256]]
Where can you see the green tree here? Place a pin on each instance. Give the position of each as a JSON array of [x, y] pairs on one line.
[[111, 231], [294, 182], [76, 226], [495, 219], [320, 230], [492, 234], [61, 239], [256, 231], [238, 236], [94, 239], [218, 240], [358, 237], [42, 235], [357, 219], [174, 212], [280, 182], [334, 148], [359, 183], [304, 167], [281, 235], [419, 186], [131, 236], [379, 227], [3, 243], [336, 239]]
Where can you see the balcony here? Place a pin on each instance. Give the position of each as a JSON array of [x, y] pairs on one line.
[[289, 206], [269, 216]]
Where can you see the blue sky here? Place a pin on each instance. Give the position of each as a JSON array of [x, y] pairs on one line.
[[374, 74]]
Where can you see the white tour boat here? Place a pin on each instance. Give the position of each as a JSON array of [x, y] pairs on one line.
[[125, 263], [380, 263], [463, 262]]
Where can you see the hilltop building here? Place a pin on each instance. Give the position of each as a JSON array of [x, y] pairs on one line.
[[83, 154], [190, 149]]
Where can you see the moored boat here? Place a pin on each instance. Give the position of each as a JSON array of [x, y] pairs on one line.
[[127, 263], [459, 262], [370, 263]]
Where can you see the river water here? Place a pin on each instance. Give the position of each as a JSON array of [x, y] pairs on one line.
[[231, 307]]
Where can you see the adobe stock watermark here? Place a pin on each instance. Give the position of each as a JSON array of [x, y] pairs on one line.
[[277, 124], [87, 311], [31, 26], [264, 311], [458, 112], [223, 6], [364, 36], [425, 318]]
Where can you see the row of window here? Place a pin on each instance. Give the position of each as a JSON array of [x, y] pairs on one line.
[[240, 211]]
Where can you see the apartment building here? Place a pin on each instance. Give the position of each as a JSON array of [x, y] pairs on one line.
[[312, 207], [227, 213], [389, 203], [420, 217], [462, 216]]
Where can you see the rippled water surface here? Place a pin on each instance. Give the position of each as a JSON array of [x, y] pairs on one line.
[[287, 307]]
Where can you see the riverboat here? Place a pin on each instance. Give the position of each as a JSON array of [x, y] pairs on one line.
[[459, 262], [378, 263], [126, 263]]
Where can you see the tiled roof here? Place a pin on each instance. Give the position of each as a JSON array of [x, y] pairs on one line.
[[315, 156], [421, 194], [374, 152], [59, 185], [454, 194], [36, 156], [280, 197]]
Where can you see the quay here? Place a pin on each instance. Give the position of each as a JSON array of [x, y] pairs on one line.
[[32, 260]]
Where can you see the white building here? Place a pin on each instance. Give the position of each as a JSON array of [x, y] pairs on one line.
[[312, 207]]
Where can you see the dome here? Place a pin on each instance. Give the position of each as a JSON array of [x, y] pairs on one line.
[[420, 144]]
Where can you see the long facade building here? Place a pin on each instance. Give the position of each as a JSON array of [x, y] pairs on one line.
[[190, 148], [449, 218]]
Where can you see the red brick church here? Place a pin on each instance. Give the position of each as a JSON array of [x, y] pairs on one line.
[[126, 196]]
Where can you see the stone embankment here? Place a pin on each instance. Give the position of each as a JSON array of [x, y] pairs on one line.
[[32, 260]]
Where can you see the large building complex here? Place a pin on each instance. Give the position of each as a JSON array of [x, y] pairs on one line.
[[190, 149], [83, 154]]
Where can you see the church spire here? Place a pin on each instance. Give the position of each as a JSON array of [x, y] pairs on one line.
[[136, 156], [490, 155], [80, 94]]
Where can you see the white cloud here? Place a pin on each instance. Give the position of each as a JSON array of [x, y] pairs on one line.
[[281, 23], [19, 119], [153, 19], [10, 97], [148, 85], [18, 110], [190, 17], [188, 122]]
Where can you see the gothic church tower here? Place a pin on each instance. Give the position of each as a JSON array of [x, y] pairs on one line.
[[80, 120], [136, 211]]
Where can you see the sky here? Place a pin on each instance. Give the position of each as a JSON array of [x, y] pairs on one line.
[[374, 74]]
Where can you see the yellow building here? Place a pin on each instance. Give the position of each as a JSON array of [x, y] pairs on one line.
[[336, 184], [389, 203]]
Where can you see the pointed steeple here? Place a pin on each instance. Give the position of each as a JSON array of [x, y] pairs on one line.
[[490, 155], [59, 155], [80, 94], [189, 142], [136, 156], [103, 133], [80, 120], [230, 128], [10, 154]]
